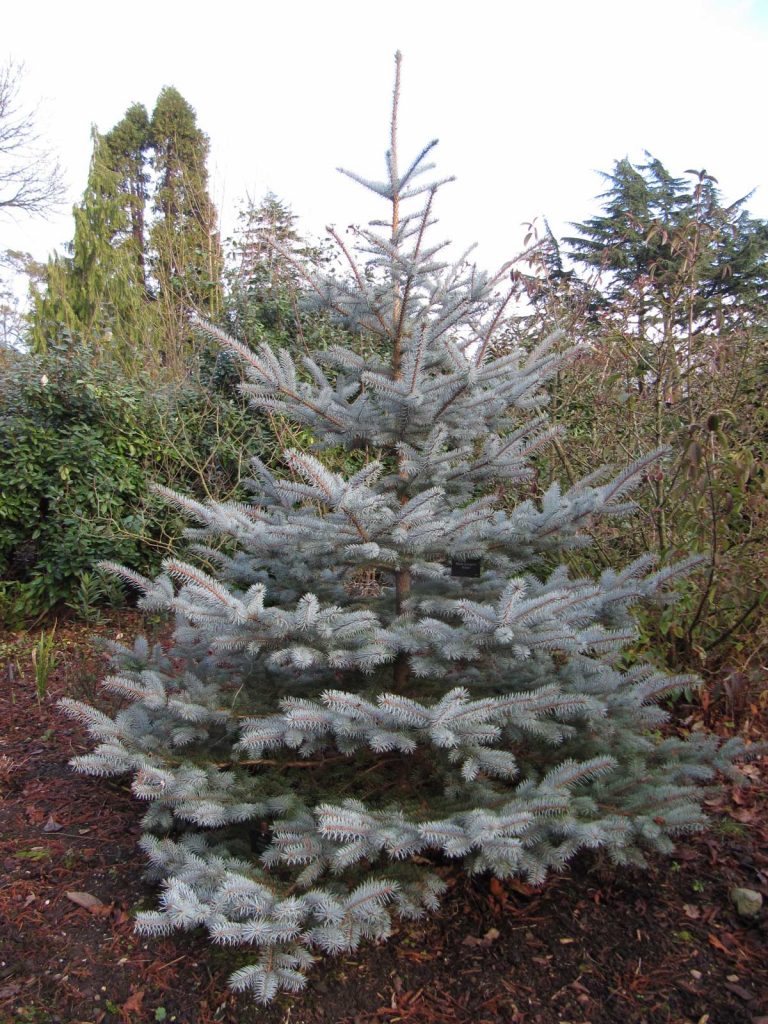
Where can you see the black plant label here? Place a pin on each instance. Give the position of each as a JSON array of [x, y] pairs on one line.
[[468, 568]]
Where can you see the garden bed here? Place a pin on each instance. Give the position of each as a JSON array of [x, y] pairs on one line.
[[594, 946]]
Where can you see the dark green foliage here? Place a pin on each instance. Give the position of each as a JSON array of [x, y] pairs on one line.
[[269, 247], [265, 282], [145, 249], [673, 248], [128, 144], [185, 252], [95, 294], [73, 477], [120, 392], [86, 441]]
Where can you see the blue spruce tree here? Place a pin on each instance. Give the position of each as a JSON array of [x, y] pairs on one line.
[[392, 666]]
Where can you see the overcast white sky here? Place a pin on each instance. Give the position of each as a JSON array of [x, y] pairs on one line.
[[528, 99]]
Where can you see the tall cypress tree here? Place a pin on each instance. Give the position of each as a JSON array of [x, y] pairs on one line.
[[128, 144], [304, 749], [145, 248], [94, 293], [184, 240]]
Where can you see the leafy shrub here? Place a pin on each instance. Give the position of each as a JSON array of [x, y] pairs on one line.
[[71, 475], [84, 440]]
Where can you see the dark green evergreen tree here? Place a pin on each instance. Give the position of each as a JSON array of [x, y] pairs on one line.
[[673, 251], [184, 240], [128, 144], [145, 249], [269, 245], [669, 288], [94, 294]]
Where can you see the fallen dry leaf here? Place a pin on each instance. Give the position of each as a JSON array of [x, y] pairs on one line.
[[522, 887], [746, 815], [12, 989], [497, 889], [90, 903], [133, 1003], [490, 936]]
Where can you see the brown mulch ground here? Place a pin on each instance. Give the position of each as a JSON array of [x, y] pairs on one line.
[[595, 946]]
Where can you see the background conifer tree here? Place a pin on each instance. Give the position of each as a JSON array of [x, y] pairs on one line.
[[666, 294], [670, 248], [146, 247], [268, 254], [186, 255], [128, 144], [304, 749], [94, 293], [269, 245]]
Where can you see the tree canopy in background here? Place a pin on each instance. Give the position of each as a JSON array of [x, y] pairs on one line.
[[665, 290], [184, 249], [687, 261], [146, 249], [95, 293]]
